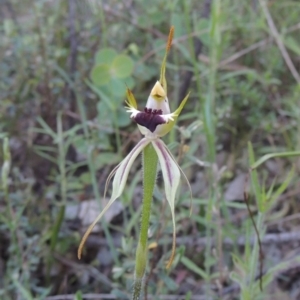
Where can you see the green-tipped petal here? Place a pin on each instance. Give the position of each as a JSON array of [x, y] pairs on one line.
[[171, 176], [180, 107], [118, 185], [171, 119], [131, 102]]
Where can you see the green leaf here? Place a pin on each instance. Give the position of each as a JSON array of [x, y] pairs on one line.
[[122, 66], [144, 72], [100, 75], [234, 276], [106, 158], [23, 291], [254, 179], [157, 17], [102, 94], [202, 25], [264, 158], [80, 144], [78, 295], [117, 88], [105, 56], [104, 112], [123, 119], [85, 178], [177, 20], [280, 189], [292, 45], [193, 267], [129, 82], [168, 281]]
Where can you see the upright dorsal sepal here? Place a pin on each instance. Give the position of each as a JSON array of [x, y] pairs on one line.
[[162, 79]]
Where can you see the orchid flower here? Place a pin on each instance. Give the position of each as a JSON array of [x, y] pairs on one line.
[[154, 122]]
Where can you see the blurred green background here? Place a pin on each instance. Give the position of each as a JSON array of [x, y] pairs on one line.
[[64, 69]]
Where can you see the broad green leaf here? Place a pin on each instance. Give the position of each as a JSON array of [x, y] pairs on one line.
[[104, 92], [105, 56], [129, 82], [100, 75], [122, 66], [117, 89]]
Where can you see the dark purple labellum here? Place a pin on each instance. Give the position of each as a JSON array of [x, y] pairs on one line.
[[150, 118]]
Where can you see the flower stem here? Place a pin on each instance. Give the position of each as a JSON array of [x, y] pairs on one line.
[[149, 177]]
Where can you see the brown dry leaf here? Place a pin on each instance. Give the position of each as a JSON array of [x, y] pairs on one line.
[[235, 189]]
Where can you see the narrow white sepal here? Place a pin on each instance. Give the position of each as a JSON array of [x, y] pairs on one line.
[[171, 175], [124, 168], [119, 181]]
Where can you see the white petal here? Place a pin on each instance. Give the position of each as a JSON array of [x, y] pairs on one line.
[[158, 104], [121, 174], [132, 111], [171, 176], [169, 117]]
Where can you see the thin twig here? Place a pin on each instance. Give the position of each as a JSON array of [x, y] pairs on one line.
[[271, 238], [92, 271], [241, 53], [247, 50], [279, 42], [111, 296]]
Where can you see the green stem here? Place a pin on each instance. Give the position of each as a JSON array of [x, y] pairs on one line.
[[63, 190], [149, 177], [248, 292], [208, 107]]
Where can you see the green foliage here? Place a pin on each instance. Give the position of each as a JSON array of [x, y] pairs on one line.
[[241, 91], [108, 76]]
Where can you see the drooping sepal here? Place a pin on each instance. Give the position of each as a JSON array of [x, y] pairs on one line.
[[120, 177], [171, 176]]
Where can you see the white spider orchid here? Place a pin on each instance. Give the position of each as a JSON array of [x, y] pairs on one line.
[[154, 122]]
